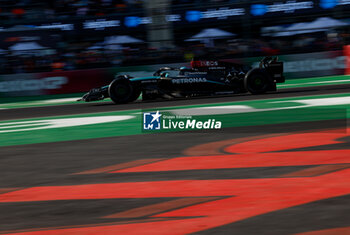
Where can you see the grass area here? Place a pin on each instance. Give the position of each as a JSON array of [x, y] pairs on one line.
[[315, 81], [231, 114]]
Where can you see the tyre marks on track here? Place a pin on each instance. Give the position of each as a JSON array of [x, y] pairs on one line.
[[7, 190], [162, 207], [194, 205], [120, 166], [333, 231], [318, 170]]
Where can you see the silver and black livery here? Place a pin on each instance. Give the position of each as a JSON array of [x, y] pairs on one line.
[[203, 78]]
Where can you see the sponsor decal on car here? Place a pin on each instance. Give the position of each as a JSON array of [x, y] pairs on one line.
[[209, 63], [149, 81], [188, 80]]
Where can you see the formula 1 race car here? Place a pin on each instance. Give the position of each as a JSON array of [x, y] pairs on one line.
[[203, 78]]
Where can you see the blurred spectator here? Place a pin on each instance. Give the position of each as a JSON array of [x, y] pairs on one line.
[[72, 54], [18, 12], [64, 8], [78, 55], [57, 65]]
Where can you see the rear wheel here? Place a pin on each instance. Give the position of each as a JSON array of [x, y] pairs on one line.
[[257, 82], [122, 91]]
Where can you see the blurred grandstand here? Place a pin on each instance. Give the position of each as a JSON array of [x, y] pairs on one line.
[[43, 36]]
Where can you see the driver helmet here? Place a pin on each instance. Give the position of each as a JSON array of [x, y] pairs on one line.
[[164, 74], [183, 70]]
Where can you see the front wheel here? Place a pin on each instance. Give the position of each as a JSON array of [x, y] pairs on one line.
[[257, 82], [122, 91]]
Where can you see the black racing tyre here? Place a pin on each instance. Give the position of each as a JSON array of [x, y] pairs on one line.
[[257, 81], [122, 91], [136, 93]]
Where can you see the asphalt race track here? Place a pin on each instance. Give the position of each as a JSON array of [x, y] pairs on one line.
[[93, 107], [294, 181]]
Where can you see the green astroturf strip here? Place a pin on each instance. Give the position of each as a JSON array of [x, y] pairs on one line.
[[278, 112], [316, 81]]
